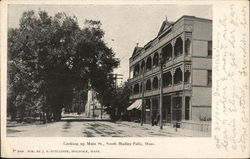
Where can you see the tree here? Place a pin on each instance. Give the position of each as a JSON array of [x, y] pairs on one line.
[[120, 102], [49, 57]]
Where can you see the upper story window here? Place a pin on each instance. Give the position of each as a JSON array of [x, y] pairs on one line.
[[136, 89], [136, 70], [187, 46], [143, 66], [149, 63], [148, 85], [209, 78], [155, 59], [167, 52], [178, 47], [155, 82], [209, 48]]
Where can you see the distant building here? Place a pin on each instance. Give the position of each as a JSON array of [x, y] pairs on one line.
[[186, 47]]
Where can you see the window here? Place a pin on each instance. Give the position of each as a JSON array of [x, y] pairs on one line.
[[136, 88], [148, 85], [209, 78], [178, 47], [209, 48], [155, 82]]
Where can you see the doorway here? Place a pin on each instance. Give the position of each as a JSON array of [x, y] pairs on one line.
[[177, 104]]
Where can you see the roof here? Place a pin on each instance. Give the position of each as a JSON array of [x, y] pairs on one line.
[[136, 49], [165, 26]]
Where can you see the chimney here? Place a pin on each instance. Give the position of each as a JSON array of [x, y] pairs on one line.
[[166, 19], [137, 44]]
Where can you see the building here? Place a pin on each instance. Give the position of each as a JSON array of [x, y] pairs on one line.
[[185, 47]]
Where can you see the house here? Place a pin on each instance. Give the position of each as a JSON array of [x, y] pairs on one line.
[[185, 47]]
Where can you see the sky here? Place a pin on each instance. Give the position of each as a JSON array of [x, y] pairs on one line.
[[124, 25]]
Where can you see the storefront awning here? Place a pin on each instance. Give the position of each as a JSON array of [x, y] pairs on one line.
[[136, 105]]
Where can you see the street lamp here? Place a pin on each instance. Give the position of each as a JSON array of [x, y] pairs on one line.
[[162, 61]]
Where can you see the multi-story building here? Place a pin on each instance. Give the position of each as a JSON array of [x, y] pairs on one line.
[[185, 47]]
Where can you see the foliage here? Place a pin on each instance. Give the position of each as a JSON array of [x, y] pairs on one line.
[[49, 57], [120, 102]]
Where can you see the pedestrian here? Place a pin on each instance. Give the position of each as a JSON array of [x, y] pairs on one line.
[[157, 118], [153, 119]]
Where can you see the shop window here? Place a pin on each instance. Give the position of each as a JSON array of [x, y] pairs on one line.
[[177, 104], [187, 107]]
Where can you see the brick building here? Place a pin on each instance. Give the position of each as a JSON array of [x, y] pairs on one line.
[[186, 49]]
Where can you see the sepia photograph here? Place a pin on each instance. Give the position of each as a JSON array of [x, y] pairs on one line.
[[124, 79], [109, 70]]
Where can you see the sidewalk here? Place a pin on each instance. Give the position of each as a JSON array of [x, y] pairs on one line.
[[170, 130]]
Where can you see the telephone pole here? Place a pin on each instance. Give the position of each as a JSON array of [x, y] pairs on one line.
[[115, 77], [142, 97], [162, 61]]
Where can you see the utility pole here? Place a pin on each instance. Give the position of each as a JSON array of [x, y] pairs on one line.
[[161, 89], [115, 77], [142, 97]]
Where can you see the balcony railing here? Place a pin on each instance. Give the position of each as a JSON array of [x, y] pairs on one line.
[[178, 59], [167, 89], [169, 63], [152, 92], [135, 96]]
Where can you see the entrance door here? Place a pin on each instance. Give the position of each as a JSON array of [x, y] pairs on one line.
[[155, 106], [167, 108], [177, 104]]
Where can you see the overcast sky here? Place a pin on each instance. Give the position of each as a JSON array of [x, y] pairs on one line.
[[124, 25]]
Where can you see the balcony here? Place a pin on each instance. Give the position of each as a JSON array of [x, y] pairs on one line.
[[135, 78], [178, 59], [168, 89], [135, 96], [169, 63], [153, 70], [187, 86], [178, 87], [152, 93]]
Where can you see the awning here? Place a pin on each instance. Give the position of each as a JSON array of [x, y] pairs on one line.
[[136, 105]]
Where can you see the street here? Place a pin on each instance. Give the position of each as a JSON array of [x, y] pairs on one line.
[[95, 128]]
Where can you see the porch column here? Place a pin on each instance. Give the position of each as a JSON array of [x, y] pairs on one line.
[[183, 74], [183, 106], [151, 109], [171, 109], [173, 43], [172, 72], [183, 44]]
